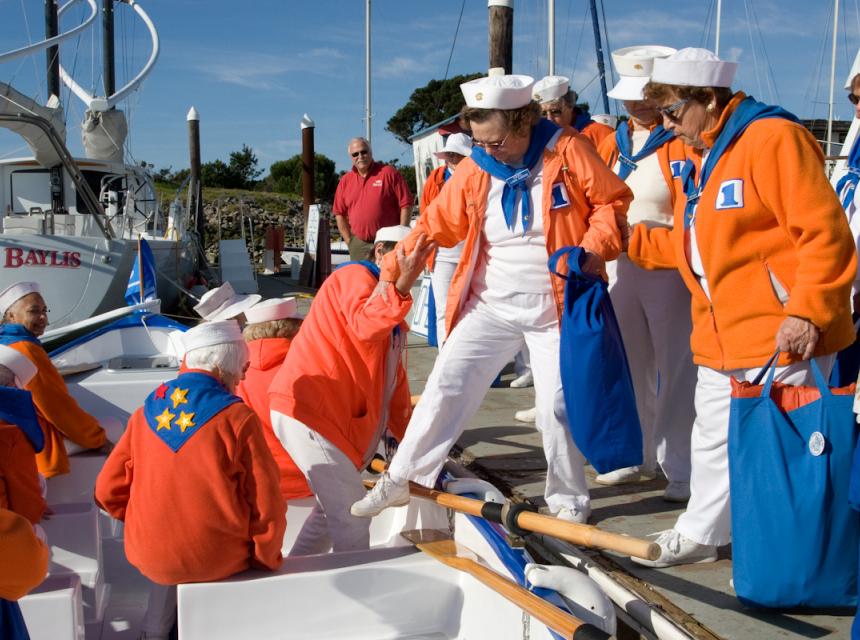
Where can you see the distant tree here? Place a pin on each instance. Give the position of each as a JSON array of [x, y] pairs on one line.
[[432, 103], [217, 174], [165, 174], [408, 173], [243, 167], [286, 176]]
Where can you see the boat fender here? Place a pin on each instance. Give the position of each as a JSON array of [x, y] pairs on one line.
[[586, 599], [459, 486]]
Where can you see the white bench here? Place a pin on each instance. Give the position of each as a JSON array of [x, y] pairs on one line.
[[53, 610], [76, 549]]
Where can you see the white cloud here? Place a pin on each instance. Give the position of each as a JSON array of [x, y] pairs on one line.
[[398, 67]]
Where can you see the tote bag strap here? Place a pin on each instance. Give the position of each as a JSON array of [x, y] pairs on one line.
[[573, 254], [770, 369]]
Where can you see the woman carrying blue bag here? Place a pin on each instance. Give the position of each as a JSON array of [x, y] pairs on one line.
[[763, 245]]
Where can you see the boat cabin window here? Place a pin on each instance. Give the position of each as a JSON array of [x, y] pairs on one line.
[[30, 188]]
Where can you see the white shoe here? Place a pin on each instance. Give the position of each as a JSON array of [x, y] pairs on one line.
[[525, 380], [677, 492], [679, 549], [574, 514], [385, 493], [625, 476], [526, 415]]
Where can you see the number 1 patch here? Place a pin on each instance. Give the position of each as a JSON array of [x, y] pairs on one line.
[[731, 195], [675, 167], [559, 196]]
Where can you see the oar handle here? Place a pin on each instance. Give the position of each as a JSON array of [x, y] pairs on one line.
[[585, 535]]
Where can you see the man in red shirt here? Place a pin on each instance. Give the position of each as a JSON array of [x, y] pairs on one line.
[[371, 196]]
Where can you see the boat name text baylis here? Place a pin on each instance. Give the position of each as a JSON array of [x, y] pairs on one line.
[[17, 257]]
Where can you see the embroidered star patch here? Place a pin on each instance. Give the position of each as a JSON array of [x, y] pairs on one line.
[[184, 421], [179, 396], [164, 420]]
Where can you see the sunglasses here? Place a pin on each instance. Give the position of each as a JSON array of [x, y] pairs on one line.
[[551, 113], [671, 111], [853, 98], [490, 146], [363, 152]]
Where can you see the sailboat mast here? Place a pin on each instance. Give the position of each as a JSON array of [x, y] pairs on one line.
[[551, 37], [367, 112], [717, 30], [52, 54], [599, 46], [108, 64], [832, 78]]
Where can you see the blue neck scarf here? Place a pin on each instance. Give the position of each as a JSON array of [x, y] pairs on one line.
[[626, 159], [851, 178], [517, 179], [178, 409], [747, 112], [12, 333], [582, 120], [446, 175], [16, 407]]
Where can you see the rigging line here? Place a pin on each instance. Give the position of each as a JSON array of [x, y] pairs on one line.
[[453, 44], [567, 29], [706, 28], [814, 78], [33, 58], [857, 15], [752, 47], [579, 45], [770, 79]]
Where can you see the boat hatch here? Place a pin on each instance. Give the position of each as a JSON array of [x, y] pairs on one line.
[[124, 363]]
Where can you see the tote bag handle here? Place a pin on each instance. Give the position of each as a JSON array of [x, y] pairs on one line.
[[574, 256], [770, 369]]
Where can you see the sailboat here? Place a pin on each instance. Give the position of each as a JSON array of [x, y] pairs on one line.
[[72, 224]]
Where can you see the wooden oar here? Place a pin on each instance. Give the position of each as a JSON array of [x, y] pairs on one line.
[[585, 535], [443, 548]]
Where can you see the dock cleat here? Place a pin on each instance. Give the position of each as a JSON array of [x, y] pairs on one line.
[[385, 493], [676, 548]]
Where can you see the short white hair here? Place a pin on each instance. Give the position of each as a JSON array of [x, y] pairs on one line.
[[229, 357], [364, 141], [7, 377]]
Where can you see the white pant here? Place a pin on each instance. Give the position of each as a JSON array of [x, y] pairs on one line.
[[490, 332], [707, 519], [440, 277], [653, 311], [336, 485], [160, 610]]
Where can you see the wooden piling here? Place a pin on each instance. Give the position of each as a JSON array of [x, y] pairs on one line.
[[501, 40]]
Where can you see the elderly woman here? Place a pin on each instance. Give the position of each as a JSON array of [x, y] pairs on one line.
[[528, 189], [558, 104], [765, 250], [25, 318], [272, 325], [203, 500], [652, 306]]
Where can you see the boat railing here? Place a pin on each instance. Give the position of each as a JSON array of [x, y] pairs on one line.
[[68, 162]]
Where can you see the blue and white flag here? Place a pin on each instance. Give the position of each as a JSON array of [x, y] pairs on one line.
[[145, 263]]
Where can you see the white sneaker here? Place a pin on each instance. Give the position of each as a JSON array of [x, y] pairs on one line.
[[525, 380], [625, 476], [385, 493], [526, 415], [677, 492], [678, 549], [574, 514]]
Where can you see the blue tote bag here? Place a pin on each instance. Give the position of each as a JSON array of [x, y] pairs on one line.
[[794, 533], [595, 376]]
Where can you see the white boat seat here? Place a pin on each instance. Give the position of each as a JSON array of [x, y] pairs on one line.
[[54, 610], [80, 483]]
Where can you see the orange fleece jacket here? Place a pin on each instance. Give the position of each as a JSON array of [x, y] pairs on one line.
[[672, 151], [333, 377], [20, 490], [63, 416], [23, 556], [789, 229], [599, 201], [203, 513], [597, 132], [267, 356], [432, 187]]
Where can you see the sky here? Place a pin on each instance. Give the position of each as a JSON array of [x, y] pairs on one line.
[[252, 69]]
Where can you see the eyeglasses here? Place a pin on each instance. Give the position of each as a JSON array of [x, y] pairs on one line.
[[362, 152], [491, 146], [671, 111], [551, 113], [853, 98]]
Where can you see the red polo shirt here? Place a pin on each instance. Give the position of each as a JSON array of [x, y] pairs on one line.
[[372, 202]]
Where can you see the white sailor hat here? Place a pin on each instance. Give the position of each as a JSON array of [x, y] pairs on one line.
[[223, 303], [392, 234], [498, 92], [634, 65], [17, 363], [273, 309], [11, 294], [692, 67], [209, 334], [456, 143], [550, 88]]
